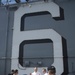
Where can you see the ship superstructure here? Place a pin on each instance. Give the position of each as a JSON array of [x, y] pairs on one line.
[[37, 33]]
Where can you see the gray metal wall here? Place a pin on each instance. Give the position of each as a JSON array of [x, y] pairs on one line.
[[3, 38], [6, 22], [65, 27]]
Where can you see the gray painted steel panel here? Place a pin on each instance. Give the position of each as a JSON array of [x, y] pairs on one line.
[[6, 22]]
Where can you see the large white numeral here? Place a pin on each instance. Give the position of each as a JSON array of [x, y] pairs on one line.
[[19, 36]]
